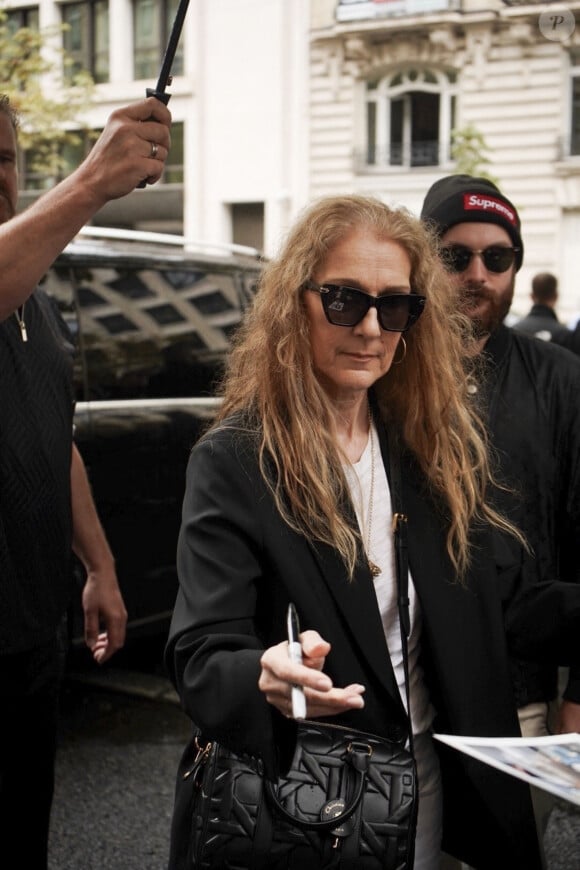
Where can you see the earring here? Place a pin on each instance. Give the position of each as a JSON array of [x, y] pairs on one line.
[[399, 361]]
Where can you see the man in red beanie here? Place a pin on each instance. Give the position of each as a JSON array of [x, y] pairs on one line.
[[529, 393]]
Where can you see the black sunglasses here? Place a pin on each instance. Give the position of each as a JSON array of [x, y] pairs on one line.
[[496, 258], [347, 306]]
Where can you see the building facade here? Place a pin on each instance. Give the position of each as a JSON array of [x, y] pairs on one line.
[[392, 80], [238, 166], [276, 102]]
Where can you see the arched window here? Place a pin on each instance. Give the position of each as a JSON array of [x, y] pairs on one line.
[[409, 116]]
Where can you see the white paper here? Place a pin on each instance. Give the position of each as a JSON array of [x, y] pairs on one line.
[[550, 763]]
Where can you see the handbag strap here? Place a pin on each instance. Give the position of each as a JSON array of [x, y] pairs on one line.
[[359, 757], [401, 561]]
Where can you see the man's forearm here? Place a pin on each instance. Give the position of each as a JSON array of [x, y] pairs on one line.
[[121, 158], [89, 541], [31, 241]]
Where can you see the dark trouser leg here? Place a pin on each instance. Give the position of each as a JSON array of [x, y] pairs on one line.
[[29, 690]]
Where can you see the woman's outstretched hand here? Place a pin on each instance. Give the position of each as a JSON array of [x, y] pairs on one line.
[[279, 673]]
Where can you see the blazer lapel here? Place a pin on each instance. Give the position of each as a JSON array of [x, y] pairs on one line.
[[357, 602]]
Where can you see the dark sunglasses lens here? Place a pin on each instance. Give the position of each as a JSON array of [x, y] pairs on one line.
[[397, 313], [498, 259], [345, 306], [456, 258]]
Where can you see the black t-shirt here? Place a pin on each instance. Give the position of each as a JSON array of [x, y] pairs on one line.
[[36, 419]]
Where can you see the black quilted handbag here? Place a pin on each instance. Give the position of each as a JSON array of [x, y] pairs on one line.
[[348, 801]]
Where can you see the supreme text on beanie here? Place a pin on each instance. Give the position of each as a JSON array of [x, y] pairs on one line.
[[458, 199]]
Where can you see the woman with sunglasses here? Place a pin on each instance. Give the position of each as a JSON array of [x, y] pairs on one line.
[[353, 344]]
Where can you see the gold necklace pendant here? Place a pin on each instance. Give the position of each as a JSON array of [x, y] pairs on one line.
[[374, 569]]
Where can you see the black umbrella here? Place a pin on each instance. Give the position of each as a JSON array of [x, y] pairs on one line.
[[165, 77]]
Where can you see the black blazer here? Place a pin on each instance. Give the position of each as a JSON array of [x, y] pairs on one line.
[[239, 565]]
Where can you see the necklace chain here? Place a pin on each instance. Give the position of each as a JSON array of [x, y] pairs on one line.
[[374, 568], [365, 518], [19, 315]]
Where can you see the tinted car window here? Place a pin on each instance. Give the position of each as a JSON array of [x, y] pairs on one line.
[[152, 327]]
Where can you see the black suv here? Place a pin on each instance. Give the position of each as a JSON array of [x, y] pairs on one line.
[[152, 320]]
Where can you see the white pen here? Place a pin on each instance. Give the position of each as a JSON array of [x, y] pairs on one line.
[[295, 654]]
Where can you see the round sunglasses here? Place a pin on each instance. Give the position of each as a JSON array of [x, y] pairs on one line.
[[347, 306], [496, 258]]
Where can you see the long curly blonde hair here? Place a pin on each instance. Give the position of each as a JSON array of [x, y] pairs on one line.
[[270, 381]]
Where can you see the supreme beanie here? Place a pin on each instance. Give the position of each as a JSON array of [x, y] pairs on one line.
[[458, 199]]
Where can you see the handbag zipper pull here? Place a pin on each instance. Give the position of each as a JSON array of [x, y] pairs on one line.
[[334, 808], [199, 760]]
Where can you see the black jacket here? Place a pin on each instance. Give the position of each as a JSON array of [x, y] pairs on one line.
[[531, 391], [542, 322], [239, 565], [570, 339]]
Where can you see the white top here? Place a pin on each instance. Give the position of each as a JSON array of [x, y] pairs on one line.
[[378, 542], [380, 551]]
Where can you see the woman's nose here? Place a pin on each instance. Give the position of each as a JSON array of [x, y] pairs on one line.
[[369, 325]]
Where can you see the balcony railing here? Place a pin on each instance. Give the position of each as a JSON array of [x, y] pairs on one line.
[[425, 153]]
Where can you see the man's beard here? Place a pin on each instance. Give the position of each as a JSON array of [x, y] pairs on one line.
[[485, 308]]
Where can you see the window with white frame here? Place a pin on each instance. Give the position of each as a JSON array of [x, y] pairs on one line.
[[18, 18], [575, 104], [75, 150], [15, 20], [152, 23], [86, 38], [409, 117]]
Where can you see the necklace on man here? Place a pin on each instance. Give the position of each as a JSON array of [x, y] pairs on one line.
[[19, 315]]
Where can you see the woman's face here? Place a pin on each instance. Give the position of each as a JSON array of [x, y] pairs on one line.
[[348, 360]]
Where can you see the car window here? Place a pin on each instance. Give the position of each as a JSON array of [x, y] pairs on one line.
[[151, 330]]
